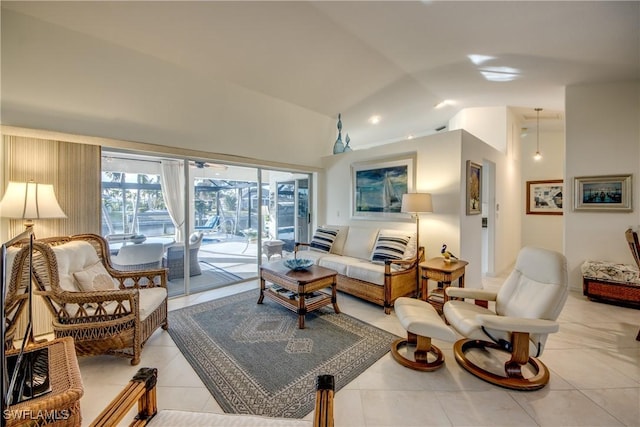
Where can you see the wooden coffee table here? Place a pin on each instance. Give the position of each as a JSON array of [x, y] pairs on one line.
[[299, 291]]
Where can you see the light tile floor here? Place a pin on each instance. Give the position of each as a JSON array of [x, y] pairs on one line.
[[594, 361]]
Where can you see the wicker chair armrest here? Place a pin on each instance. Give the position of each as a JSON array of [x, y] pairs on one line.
[[90, 297], [155, 277]]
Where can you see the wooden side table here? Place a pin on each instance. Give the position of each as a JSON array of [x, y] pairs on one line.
[[444, 273]]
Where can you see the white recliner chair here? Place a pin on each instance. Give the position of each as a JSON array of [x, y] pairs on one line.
[[526, 308]]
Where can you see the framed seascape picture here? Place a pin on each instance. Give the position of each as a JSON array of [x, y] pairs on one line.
[[544, 197], [378, 186], [474, 188], [603, 193]]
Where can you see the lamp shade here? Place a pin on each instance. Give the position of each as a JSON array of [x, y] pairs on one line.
[[30, 200], [416, 203]]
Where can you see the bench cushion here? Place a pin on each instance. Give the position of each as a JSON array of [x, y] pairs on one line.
[[611, 272]]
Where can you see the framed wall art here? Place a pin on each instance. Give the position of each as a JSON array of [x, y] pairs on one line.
[[603, 193], [474, 188], [544, 197], [378, 186]]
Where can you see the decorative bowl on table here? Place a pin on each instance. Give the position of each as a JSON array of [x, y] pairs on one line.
[[297, 264]]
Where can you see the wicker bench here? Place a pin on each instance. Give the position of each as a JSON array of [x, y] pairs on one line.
[[614, 283]]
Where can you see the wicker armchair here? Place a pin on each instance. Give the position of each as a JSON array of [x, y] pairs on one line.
[[104, 319]]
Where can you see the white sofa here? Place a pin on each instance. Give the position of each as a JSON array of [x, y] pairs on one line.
[[378, 265]]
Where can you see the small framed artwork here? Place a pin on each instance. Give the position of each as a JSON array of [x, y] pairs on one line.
[[378, 186], [603, 193], [544, 197], [474, 188]]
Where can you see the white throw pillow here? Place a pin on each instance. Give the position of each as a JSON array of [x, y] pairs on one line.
[[323, 239], [95, 278], [390, 246]]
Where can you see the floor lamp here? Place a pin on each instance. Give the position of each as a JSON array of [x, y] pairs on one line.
[[415, 204], [26, 201]]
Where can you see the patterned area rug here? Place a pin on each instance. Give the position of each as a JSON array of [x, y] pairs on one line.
[[212, 277], [255, 360]]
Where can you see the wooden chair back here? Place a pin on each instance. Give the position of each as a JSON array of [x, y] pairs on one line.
[[634, 245]]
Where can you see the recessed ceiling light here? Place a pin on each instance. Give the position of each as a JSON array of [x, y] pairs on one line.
[[410, 136], [500, 74], [444, 103], [480, 59], [374, 120]]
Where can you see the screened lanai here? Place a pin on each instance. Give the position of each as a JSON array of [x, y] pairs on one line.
[[212, 235]]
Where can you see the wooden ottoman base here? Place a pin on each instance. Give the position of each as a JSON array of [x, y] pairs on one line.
[[421, 354]]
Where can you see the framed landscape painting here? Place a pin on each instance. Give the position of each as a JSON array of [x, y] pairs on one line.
[[603, 193], [378, 186], [474, 188], [544, 197]]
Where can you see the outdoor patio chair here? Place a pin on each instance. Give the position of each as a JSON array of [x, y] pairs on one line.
[[212, 224], [174, 258], [105, 310], [143, 256]]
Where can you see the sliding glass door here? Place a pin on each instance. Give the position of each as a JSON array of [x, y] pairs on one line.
[[216, 223]]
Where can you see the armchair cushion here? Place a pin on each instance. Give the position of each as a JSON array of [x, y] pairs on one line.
[[150, 300], [95, 278], [72, 257], [518, 324]]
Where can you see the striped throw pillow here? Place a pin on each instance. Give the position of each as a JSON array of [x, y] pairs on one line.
[[389, 246], [323, 239]]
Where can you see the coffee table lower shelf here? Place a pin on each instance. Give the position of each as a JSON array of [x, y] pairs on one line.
[[298, 291], [319, 299]]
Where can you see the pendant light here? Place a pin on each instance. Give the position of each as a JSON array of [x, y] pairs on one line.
[[537, 156]]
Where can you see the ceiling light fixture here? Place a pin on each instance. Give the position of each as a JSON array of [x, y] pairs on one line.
[[443, 103], [374, 120], [537, 156]]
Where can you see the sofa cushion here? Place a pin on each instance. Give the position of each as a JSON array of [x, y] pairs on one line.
[[95, 278], [390, 245], [366, 271], [360, 242], [338, 244], [323, 239], [338, 263], [412, 247], [313, 255]]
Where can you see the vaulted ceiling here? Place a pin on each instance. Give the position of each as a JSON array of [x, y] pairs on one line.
[[396, 60]]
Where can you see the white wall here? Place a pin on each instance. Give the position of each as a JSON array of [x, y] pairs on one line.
[[56, 79], [441, 166], [490, 124], [602, 138], [544, 231]]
